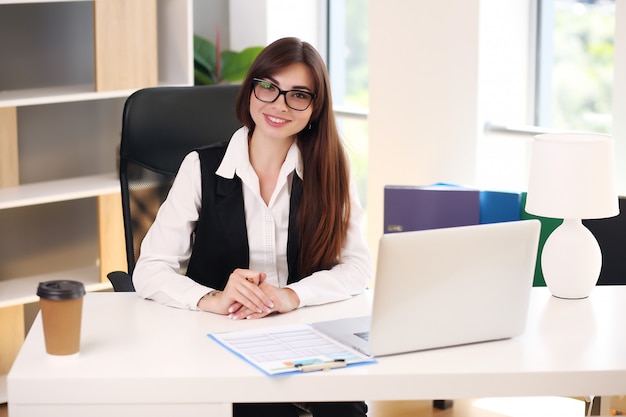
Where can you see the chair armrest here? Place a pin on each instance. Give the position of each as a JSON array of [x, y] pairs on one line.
[[122, 282]]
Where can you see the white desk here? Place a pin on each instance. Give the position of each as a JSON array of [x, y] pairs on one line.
[[141, 358]]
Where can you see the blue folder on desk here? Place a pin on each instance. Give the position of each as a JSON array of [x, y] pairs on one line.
[[499, 206]]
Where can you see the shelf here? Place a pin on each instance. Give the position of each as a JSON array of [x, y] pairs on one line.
[[73, 64], [23, 290], [59, 190], [60, 94], [53, 95], [41, 1]]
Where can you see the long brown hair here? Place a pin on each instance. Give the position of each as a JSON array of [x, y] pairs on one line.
[[324, 210]]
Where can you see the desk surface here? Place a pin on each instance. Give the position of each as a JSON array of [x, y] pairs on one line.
[[137, 353]]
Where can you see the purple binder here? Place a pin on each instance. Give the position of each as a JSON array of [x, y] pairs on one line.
[[408, 208]]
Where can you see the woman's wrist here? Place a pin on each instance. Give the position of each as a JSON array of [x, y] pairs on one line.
[[294, 299], [208, 300]]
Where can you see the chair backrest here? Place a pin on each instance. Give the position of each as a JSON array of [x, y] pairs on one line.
[[611, 236], [160, 126]]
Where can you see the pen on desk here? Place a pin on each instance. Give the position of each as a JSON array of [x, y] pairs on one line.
[[322, 366]]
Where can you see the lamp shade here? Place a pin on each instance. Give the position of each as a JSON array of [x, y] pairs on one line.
[[572, 176]]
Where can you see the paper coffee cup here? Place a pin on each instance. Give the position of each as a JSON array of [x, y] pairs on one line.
[[61, 304]]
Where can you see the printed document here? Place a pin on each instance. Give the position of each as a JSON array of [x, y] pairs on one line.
[[290, 348]]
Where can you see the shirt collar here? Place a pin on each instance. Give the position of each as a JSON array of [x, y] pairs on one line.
[[237, 158]]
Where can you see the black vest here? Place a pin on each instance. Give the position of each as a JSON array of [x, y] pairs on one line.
[[220, 239]]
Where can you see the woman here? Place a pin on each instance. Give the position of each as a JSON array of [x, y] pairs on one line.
[[269, 221]]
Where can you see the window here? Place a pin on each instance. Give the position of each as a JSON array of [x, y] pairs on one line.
[[575, 64], [347, 64]]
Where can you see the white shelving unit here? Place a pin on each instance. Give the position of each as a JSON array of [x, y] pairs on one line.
[[60, 190], [55, 95], [62, 88]]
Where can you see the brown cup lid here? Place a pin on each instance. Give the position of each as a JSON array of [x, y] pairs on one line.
[[60, 290]]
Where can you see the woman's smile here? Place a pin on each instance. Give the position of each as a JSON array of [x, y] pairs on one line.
[[275, 120]]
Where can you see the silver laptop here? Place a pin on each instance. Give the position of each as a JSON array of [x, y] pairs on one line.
[[446, 287]]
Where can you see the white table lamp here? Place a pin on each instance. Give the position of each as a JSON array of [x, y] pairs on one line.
[[572, 177]]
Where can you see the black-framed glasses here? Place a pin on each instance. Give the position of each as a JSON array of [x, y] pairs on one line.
[[268, 92]]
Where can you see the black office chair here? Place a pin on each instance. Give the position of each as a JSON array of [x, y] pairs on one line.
[[611, 236], [160, 126]]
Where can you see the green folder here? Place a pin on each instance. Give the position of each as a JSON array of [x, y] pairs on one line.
[[547, 226]]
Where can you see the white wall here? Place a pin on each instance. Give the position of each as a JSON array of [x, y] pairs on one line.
[[423, 82], [438, 72]]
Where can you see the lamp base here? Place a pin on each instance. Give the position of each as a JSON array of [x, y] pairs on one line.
[[571, 260]]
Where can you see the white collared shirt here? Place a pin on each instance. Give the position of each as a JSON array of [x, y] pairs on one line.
[[166, 248]]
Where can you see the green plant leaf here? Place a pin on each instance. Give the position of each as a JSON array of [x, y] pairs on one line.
[[201, 78], [204, 61], [235, 65]]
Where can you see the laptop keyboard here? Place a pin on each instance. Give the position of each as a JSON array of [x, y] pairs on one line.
[[363, 335]]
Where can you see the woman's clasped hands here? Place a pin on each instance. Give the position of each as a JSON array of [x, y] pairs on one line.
[[247, 295]]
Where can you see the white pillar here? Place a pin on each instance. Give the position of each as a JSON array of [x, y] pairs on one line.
[[423, 82], [619, 96]]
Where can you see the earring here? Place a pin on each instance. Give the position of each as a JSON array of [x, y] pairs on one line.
[[310, 126]]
